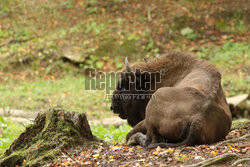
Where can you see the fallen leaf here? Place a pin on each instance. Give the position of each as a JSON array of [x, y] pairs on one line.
[[125, 147], [87, 163], [96, 155], [138, 147], [170, 150], [115, 148], [24, 162], [155, 153], [214, 153]]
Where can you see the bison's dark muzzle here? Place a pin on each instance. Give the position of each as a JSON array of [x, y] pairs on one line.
[[118, 110], [111, 108], [115, 109]]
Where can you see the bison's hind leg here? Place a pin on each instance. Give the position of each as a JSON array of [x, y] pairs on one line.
[[194, 137]]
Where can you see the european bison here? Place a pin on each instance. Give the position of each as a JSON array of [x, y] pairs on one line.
[[188, 106]]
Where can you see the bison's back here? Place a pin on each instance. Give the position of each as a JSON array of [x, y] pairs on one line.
[[174, 112]]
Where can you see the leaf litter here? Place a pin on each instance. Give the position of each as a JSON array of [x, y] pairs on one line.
[[122, 155]]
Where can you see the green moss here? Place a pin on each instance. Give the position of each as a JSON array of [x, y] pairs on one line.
[[13, 159], [241, 124], [44, 156]]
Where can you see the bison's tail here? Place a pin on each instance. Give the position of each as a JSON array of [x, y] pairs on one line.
[[193, 138]]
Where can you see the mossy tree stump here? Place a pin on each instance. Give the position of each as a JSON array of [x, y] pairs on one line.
[[52, 132]]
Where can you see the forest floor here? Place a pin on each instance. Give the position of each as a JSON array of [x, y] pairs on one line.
[[233, 151]]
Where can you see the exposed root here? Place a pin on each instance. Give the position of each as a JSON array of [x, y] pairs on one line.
[[234, 140], [223, 159], [242, 161]]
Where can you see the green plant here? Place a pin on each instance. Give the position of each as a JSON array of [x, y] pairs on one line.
[[4, 33], [239, 26], [221, 26], [118, 63], [150, 44], [133, 37], [68, 4], [111, 133], [5, 6], [92, 10], [229, 57], [189, 33], [95, 27], [9, 131]]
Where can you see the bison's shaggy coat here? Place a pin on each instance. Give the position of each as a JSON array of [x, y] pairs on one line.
[[189, 106]]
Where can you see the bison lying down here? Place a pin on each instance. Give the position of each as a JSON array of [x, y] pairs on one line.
[[188, 106]]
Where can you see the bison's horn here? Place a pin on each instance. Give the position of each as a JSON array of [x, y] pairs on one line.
[[128, 68], [145, 59]]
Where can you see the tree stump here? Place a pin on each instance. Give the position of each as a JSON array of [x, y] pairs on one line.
[[52, 132]]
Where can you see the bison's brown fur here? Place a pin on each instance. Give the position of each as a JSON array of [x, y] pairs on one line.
[[189, 106]]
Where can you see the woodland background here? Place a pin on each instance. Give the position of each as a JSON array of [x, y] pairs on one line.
[[45, 45]]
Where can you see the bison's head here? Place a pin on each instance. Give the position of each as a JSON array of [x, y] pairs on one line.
[[132, 94]]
